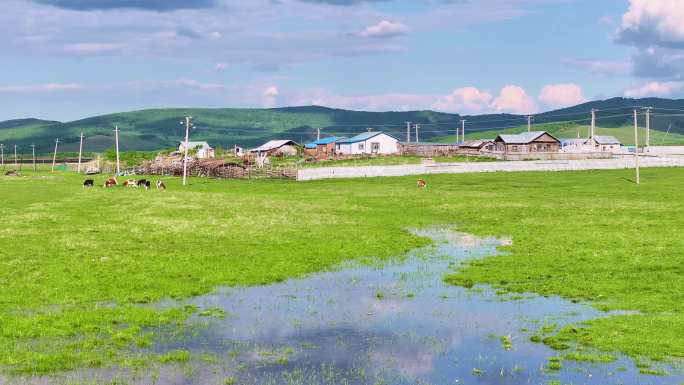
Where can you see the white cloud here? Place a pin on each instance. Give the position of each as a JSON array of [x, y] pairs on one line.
[[466, 99], [601, 67], [94, 48], [220, 66], [377, 102], [653, 22], [653, 89], [385, 29], [271, 94], [515, 100], [40, 88], [561, 95]]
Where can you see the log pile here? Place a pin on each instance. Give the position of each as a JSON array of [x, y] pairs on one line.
[[213, 168]]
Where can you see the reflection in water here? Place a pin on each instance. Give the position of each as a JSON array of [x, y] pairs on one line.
[[395, 324]]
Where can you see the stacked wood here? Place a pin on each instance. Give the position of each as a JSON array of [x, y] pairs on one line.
[[214, 168]]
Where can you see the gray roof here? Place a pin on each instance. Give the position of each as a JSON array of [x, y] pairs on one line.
[[475, 143], [196, 144], [274, 144], [606, 139], [523, 138]]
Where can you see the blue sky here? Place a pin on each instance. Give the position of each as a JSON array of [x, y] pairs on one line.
[[69, 59]]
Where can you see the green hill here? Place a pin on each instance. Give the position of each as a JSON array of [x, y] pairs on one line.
[[161, 128]]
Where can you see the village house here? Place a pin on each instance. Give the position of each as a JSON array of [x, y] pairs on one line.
[[604, 143], [527, 142], [277, 148], [368, 143], [322, 147], [202, 149]]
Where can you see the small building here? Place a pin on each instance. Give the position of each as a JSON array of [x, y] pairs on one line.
[[475, 147], [527, 142], [238, 151], [277, 148], [322, 147], [575, 145], [202, 149], [368, 143], [604, 143]]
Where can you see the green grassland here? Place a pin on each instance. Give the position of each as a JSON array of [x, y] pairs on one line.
[[80, 268]]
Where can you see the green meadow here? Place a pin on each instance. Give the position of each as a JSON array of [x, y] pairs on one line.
[[81, 268]]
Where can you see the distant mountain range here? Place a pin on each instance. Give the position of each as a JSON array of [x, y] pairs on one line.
[[160, 128]]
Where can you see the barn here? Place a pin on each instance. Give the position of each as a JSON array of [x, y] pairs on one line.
[[368, 143]]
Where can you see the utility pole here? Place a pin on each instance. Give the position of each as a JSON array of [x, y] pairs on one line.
[[462, 130], [188, 124], [80, 153], [2, 155], [116, 140], [318, 134], [529, 123], [16, 164], [417, 126], [408, 132], [33, 151], [636, 146], [593, 123], [54, 156], [648, 128]]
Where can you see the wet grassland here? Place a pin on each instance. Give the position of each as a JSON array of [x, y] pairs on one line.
[[81, 270]]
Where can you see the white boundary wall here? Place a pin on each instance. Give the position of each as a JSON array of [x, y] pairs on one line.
[[511, 166]]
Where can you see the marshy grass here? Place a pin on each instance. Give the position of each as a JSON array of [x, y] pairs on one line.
[[80, 268]]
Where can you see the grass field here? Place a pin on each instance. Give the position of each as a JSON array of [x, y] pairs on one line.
[[78, 268]]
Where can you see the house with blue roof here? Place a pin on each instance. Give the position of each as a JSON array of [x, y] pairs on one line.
[[368, 143], [322, 146]]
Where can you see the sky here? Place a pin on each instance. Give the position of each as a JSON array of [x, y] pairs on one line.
[[70, 59]]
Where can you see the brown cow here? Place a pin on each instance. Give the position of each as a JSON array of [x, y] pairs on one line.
[[131, 183], [111, 182], [161, 185], [422, 183]]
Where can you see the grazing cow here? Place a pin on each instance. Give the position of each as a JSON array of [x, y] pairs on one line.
[[161, 185], [131, 183], [111, 182], [141, 182], [422, 183], [147, 185], [88, 183]]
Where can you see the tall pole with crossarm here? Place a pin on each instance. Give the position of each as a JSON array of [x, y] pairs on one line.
[[188, 124], [54, 155]]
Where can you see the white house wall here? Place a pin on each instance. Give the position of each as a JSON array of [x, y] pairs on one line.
[[388, 145]]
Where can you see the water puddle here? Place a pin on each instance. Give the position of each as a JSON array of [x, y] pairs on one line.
[[395, 324]]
